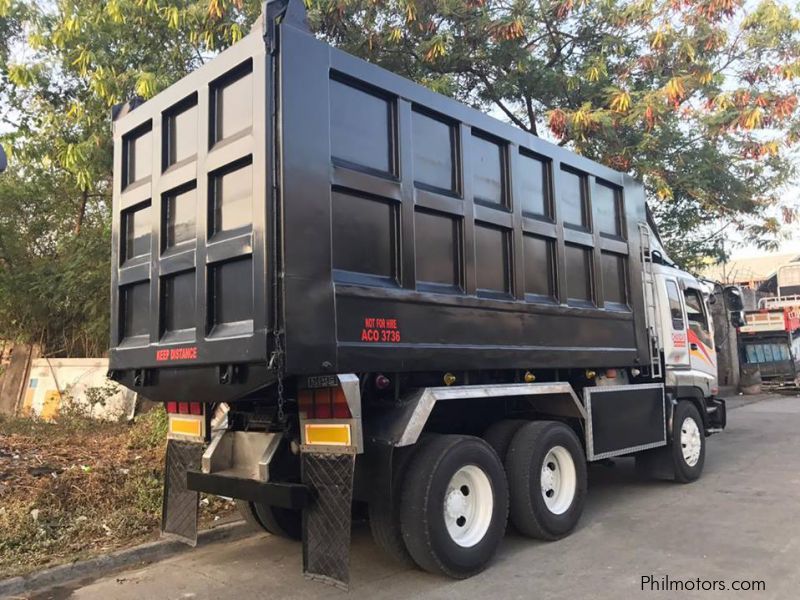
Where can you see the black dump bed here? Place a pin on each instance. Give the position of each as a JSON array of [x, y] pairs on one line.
[[401, 231]]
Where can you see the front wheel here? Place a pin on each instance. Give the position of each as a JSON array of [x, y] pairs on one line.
[[454, 505], [688, 442], [683, 459]]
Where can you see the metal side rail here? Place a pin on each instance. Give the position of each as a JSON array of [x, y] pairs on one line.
[[650, 301]]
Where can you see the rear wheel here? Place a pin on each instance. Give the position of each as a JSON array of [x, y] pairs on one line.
[[547, 479], [384, 516], [283, 522], [454, 505], [499, 435]]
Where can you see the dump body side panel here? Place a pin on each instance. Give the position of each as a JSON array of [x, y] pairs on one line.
[[420, 234], [190, 274]]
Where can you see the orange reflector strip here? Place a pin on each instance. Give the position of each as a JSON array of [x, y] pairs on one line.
[[186, 425], [328, 434]]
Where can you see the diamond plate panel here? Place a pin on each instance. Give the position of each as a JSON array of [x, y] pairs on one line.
[[327, 520], [179, 510]]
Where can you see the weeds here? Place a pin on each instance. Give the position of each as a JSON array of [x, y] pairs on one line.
[[79, 487]]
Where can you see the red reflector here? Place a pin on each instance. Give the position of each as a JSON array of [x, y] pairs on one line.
[[322, 408], [172, 407], [183, 408], [324, 403], [196, 408]]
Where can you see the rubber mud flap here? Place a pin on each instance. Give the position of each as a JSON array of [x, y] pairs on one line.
[[327, 519], [179, 510]]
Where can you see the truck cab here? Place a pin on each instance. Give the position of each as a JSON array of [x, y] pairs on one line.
[[687, 331], [769, 339]]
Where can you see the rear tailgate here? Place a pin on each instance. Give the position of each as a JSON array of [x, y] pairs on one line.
[[189, 289]]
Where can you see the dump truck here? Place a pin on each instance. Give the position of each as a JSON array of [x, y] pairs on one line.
[[769, 338], [355, 294]]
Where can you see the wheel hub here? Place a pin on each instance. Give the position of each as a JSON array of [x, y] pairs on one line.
[[468, 506], [558, 480], [691, 441]]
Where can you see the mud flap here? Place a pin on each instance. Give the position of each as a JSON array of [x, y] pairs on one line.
[[327, 519], [179, 510]]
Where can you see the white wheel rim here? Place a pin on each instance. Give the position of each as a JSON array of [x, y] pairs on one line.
[[691, 442], [468, 506], [558, 480]]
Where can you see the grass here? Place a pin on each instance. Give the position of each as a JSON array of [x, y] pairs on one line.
[[78, 488]]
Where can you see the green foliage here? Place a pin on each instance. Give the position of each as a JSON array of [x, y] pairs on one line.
[[150, 431], [82, 57], [696, 98]]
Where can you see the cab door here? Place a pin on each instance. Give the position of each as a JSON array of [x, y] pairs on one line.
[[702, 356], [676, 345]]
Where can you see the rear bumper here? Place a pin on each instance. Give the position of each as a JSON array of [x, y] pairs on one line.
[[716, 415], [284, 495]]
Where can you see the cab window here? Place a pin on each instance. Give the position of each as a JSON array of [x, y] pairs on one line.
[[696, 315], [675, 310]]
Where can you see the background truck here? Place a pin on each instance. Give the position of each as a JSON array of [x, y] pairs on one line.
[[769, 340], [353, 292]]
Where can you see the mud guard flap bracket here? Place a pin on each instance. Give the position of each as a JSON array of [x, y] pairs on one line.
[[327, 519], [180, 505]]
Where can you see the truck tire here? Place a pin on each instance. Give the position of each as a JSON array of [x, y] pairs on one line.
[[454, 506], [688, 442], [282, 522], [683, 458], [384, 519], [499, 435], [547, 481]]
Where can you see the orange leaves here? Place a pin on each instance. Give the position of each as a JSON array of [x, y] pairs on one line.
[[557, 121], [564, 8], [619, 162], [784, 107], [756, 150], [506, 30], [650, 117], [717, 8]]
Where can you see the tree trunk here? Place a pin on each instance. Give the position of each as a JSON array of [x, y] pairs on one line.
[[82, 212]]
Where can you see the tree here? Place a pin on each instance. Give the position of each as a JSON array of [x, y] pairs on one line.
[[697, 98], [63, 65]]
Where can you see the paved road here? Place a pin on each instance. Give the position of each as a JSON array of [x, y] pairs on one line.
[[740, 521]]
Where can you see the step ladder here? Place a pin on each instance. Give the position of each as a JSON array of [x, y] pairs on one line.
[[650, 301]]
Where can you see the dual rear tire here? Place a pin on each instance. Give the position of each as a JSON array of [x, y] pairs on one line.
[[282, 522], [454, 494]]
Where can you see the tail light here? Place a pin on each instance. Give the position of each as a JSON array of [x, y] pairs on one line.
[[185, 408], [324, 403]]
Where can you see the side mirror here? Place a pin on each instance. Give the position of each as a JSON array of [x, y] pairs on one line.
[[733, 298], [737, 319], [3, 160]]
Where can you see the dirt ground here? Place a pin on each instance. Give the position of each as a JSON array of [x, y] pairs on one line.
[[79, 488]]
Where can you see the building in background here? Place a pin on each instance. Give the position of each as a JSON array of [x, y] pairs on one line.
[[756, 272]]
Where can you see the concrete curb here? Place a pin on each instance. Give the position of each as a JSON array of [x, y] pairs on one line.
[[102, 565]]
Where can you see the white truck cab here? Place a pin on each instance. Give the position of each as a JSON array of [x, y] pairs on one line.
[[686, 330]]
